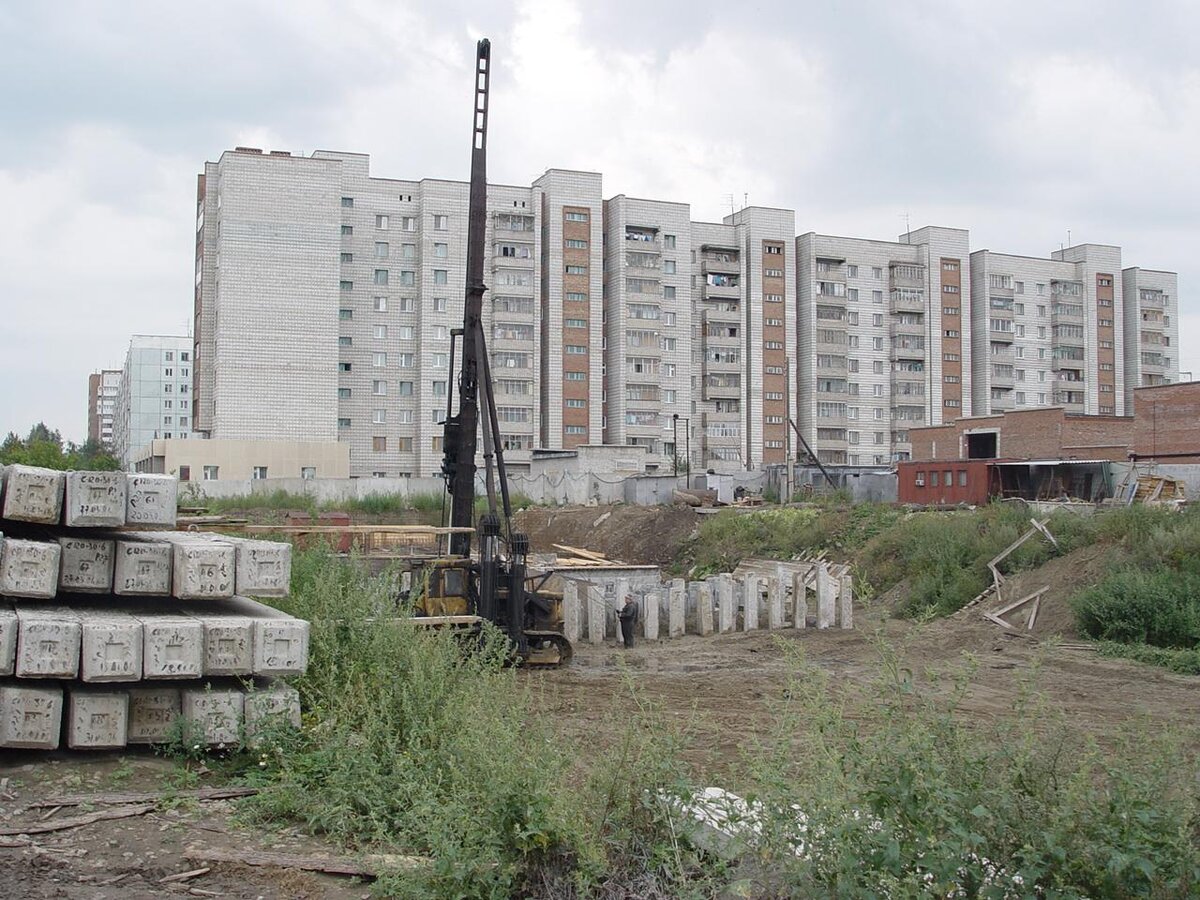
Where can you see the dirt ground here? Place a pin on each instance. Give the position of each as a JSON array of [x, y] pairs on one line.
[[723, 688], [640, 535], [128, 858]]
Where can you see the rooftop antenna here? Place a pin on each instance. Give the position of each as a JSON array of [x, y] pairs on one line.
[[907, 228], [745, 199], [729, 197], [1069, 237]]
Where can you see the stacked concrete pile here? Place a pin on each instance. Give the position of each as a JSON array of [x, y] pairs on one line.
[[112, 634], [768, 596]]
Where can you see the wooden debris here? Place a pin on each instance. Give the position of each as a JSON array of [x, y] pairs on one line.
[[185, 876], [364, 867], [79, 821], [228, 793]]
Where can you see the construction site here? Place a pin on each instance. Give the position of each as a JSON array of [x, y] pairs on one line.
[[970, 674]]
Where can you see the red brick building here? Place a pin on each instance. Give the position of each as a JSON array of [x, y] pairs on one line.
[[1165, 426]]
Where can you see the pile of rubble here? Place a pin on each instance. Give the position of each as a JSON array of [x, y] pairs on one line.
[[113, 634]]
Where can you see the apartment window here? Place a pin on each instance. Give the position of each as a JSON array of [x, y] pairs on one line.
[[571, 243], [951, 404], [404, 388], [576, 297], [379, 332], [441, 223], [950, 357], [378, 416], [877, 319], [440, 360], [951, 311], [343, 367], [379, 360], [439, 304], [346, 285], [440, 276], [950, 289], [345, 340], [877, 343], [876, 296], [381, 276], [347, 230], [167, 373], [575, 323], [259, 473], [404, 444], [575, 376], [379, 444], [345, 314], [408, 223], [183, 357], [769, 273], [950, 379], [1106, 345], [669, 241], [851, 271], [441, 251], [1105, 323], [347, 202], [381, 249], [405, 360], [576, 404], [951, 332], [575, 270], [167, 420], [211, 473], [380, 305], [408, 251], [1104, 282], [576, 216], [381, 222], [347, 257], [343, 423], [1041, 289], [575, 349]]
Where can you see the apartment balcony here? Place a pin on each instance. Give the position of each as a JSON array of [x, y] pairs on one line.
[[1003, 381], [1065, 364], [1159, 367], [1000, 312], [906, 302], [838, 367], [716, 418], [720, 342], [642, 241], [720, 391], [831, 347], [721, 317], [999, 335], [721, 367], [643, 403], [1004, 356], [720, 266], [720, 291], [908, 384], [906, 275], [1004, 403], [827, 294], [510, 343], [912, 329], [837, 395], [909, 351], [1060, 315], [1072, 400], [835, 272]]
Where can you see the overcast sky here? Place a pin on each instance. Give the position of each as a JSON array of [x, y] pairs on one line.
[[1019, 121]]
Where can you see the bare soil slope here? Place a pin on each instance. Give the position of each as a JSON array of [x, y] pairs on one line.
[[640, 535]]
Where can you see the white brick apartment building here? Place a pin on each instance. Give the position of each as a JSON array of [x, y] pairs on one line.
[[154, 398], [325, 300], [881, 344], [1047, 332], [1151, 328]]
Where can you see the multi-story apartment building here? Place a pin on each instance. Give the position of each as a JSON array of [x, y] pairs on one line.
[[647, 326], [1151, 329], [326, 298], [154, 395], [1044, 332], [880, 336], [103, 388]]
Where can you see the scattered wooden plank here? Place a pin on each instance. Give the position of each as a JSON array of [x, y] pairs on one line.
[[1028, 597], [996, 620], [123, 812], [225, 793], [185, 876], [364, 867], [1037, 604], [585, 554]]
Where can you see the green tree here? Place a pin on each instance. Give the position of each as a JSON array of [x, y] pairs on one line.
[[44, 447]]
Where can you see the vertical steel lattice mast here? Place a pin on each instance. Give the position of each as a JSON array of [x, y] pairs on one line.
[[458, 465]]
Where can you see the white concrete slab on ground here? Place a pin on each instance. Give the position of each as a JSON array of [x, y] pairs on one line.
[[213, 714], [9, 629], [274, 704], [172, 646], [846, 601], [153, 712], [676, 607], [704, 608], [775, 589], [800, 599], [827, 592], [650, 616], [280, 640], [597, 613], [571, 610], [751, 597], [203, 570], [723, 587]]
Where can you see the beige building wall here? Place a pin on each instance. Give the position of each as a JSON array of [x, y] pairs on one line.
[[225, 460]]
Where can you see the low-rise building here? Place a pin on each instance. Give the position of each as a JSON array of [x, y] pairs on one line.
[[197, 459]]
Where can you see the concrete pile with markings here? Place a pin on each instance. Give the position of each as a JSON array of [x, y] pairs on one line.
[[116, 630]]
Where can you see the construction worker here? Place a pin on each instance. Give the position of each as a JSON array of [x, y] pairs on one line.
[[628, 614]]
